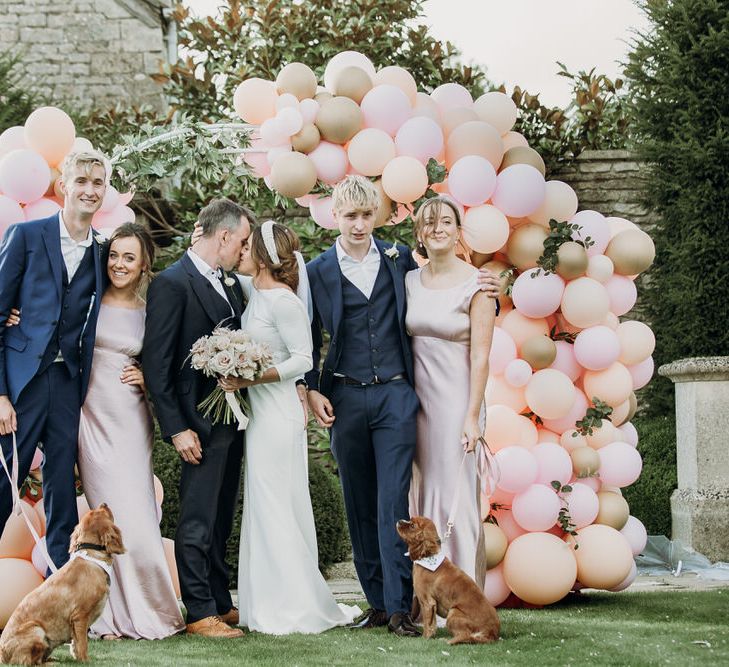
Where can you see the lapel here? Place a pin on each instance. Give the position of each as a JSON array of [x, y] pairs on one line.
[[397, 282], [98, 271], [331, 278], [52, 240], [234, 296], [209, 299]]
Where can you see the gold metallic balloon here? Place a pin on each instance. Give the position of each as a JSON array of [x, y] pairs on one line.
[[352, 82], [293, 174], [526, 245], [339, 119], [297, 79], [614, 510], [384, 206], [539, 352], [585, 461], [306, 139], [523, 155], [496, 544], [572, 260], [632, 251]]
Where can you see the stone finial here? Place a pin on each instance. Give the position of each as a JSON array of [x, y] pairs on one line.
[[702, 369]]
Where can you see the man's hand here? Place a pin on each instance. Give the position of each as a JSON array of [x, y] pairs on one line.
[[188, 446], [322, 408], [8, 420], [489, 282], [196, 234], [301, 391]]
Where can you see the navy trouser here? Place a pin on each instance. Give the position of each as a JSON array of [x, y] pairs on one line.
[[48, 412], [373, 442]]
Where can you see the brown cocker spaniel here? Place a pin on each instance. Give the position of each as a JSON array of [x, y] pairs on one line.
[[64, 606], [446, 590]]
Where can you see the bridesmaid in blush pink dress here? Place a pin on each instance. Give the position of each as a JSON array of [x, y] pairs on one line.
[[115, 451], [451, 324]]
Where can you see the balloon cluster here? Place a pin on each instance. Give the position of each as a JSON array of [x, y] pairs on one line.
[[563, 367], [30, 160]]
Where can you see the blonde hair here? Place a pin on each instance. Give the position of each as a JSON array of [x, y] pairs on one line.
[[85, 159], [356, 191]]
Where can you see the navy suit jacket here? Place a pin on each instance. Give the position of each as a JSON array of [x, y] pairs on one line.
[[325, 280], [31, 280]]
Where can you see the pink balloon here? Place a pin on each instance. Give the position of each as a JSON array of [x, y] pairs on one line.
[[472, 180], [622, 293], [419, 137], [596, 348], [503, 350], [553, 463], [629, 579], [495, 588], [594, 225], [517, 467], [591, 482], [11, 213], [520, 190], [330, 161], [12, 139], [321, 212], [276, 151], [386, 107], [577, 412], [620, 464], [641, 373], [506, 522], [38, 560], [537, 296], [517, 373], [37, 459], [582, 503], [636, 534], [629, 433], [113, 219], [565, 360], [24, 175], [111, 199], [537, 508], [274, 132], [308, 109], [290, 119], [451, 96]]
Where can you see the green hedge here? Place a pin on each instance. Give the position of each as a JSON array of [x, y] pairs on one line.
[[326, 500], [650, 497]]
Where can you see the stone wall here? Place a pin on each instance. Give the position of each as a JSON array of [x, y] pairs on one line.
[[86, 51]]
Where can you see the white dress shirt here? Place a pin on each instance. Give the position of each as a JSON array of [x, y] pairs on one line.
[[362, 274], [210, 274], [72, 251]]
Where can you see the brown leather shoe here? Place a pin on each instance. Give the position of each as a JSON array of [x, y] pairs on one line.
[[231, 617], [212, 626]]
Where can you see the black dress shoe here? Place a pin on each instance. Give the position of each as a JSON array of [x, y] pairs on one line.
[[402, 625], [372, 618]]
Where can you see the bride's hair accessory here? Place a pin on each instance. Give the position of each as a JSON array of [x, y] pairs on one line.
[[269, 242]]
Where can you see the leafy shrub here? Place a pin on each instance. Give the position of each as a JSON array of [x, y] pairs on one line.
[[16, 99]]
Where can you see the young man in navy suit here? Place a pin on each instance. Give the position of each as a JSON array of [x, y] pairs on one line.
[[51, 270], [364, 394]]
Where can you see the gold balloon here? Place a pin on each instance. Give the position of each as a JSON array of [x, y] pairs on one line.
[[632, 251], [633, 407], [585, 461], [614, 510], [572, 260], [297, 79], [384, 206], [496, 544], [352, 82], [539, 352], [323, 96], [526, 245], [339, 119], [523, 155], [306, 139], [293, 174]]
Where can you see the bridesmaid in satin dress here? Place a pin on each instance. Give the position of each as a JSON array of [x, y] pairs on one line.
[[115, 449], [451, 323]]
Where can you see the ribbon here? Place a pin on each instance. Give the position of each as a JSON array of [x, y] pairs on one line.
[[18, 507], [237, 411]]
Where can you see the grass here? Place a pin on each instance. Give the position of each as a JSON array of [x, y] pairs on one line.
[[647, 628]]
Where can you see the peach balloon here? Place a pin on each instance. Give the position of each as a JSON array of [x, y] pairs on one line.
[[612, 385], [297, 79], [522, 328], [526, 245], [506, 521], [293, 174], [545, 435], [621, 412], [572, 439], [400, 77], [613, 510], [451, 96], [503, 427], [565, 360], [352, 82], [560, 204], [601, 435], [169, 548], [520, 190], [40, 512], [553, 462], [17, 540], [550, 394], [577, 412], [495, 588], [452, 118], [536, 508], [585, 302], [425, 106], [528, 437], [346, 59], [485, 228], [474, 138], [339, 119], [496, 544], [583, 504], [637, 342], [540, 568], [50, 132], [600, 268], [632, 252], [404, 179], [254, 100], [419, 137], [604, 558], [499, 392], [18, 577], [512, 139], [497, 109]]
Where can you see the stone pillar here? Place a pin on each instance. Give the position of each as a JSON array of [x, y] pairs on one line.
[[700, 505]]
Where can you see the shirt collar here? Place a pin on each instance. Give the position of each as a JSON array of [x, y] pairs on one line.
[[343, 255], [65, 235], [201, 265]]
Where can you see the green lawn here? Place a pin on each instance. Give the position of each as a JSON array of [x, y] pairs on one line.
[[619, 629]]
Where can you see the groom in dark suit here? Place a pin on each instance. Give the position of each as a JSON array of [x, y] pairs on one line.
[[51, 270], [186, 301]]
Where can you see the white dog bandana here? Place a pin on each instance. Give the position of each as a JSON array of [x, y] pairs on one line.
[[86, 556], [431, 563]]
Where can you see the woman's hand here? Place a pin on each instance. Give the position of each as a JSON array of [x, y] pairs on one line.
[[132, 374], [232, 383], [471, 434], [196, 234], [13, 318]]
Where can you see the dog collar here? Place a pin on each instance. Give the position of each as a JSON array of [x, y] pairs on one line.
[[431, 563], [104, 566], [90, 545]]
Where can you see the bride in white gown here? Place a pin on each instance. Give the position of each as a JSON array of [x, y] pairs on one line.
[[280, 588]]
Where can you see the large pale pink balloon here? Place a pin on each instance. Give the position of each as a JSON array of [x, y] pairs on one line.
[[419, 137], [520, 190], [594, 226], [517, 469], [620, 464], [386, 107], [290, 119], [321, 212], [612, 385], [495, 588], [308, 109], [565, 360], [518, 373], [503, 351], [41, 208], [585, 302], [503, 427], [554, 463], [622, 292], [582, 504], [634, 531], [343, 60], [596, 348], [537, 296], [497, 109], [629, 434], [370, 150], [11, 213], [451, 96], [50, 132], [24, 175], [12, 139], [274, 132], [550, 394], [404, 179], [641, 373], [560, 203], [254, 100], [485, 228], [330, 162], [576, 412], [472, 180], [536, 508]]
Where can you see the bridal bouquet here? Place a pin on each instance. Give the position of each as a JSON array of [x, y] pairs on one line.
[[228, 352]]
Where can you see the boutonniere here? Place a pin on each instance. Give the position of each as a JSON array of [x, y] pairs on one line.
[[229, 281], [392, 252], [100, 238]]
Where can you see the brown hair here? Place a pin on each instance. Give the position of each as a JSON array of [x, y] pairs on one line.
[[428, 214], [139, 232], [287, 270]]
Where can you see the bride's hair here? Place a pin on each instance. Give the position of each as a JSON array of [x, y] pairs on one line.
[[285, 241]]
